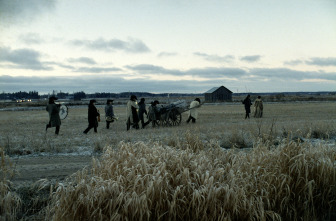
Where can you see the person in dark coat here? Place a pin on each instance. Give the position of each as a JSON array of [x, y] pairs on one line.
[[153, 113], [142, 111], [132, 113], [54, 118], [109, 113], [92, 117], [247, 103]]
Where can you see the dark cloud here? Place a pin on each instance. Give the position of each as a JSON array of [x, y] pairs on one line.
[[210, 72], [96, 69], [20, 12], [166, 54], [132, 45], [92, 83], [293, 62], [31, 39], [215, 58], [251, 58], [22, 59], [331, 61], [287, 75], [84, 60]]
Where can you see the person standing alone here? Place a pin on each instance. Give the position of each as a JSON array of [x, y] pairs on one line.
[[54, 118], [92, 117]]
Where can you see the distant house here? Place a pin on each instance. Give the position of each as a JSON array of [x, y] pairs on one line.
[[218, 94]]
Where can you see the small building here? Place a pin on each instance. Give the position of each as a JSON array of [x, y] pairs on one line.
[[218, 94]]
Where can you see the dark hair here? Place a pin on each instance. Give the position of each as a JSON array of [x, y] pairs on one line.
[[133, 97], [93, 101], [52, 99], [259, 96], [108, 101], [197, 99]]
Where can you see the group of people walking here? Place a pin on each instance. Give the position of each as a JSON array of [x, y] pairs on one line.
[[135, 113]]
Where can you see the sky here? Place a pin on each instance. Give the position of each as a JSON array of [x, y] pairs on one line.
[[167, 46]]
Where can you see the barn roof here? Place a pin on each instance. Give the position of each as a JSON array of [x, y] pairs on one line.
[[216, 88]]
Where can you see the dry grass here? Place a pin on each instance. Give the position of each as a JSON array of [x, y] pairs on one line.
[[196, 182], [10, 202]]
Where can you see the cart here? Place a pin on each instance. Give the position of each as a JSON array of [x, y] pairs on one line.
[[171, 114]]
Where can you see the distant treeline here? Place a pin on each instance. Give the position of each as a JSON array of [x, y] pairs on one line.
[[82, 95]]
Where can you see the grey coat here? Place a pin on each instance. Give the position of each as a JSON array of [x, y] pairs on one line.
[[53, 110]]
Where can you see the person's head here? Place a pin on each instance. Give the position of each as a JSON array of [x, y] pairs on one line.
[[109, 101], [142, 100], [133, 98], [92, 102], [52, 99], [259, 97], [248, 96], [199, 100], [155, 102]]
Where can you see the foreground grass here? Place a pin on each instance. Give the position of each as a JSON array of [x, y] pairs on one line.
[[194, 182]]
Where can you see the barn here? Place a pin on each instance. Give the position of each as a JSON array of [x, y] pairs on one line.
[[218, 94]]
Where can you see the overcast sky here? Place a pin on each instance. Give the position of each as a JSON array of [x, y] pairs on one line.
[[167, 45]]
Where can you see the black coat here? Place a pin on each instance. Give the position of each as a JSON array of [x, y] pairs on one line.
[[92, 115], [247, 103]]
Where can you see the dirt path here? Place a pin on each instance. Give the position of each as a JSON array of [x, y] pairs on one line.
[[32, 169]]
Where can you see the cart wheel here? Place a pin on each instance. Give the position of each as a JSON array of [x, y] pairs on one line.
[[174, 118]]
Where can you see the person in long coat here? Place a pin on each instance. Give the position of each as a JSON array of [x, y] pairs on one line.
[[92, 117], [153, 113], [142, 111], [193, 112], [132, 117], [247, 104], [258, 107], [109, 113], [54, 118]]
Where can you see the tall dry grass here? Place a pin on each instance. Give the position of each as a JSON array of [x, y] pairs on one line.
[[193, 181], [10, 202]]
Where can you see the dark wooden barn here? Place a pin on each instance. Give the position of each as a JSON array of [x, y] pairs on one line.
[[218, 94]]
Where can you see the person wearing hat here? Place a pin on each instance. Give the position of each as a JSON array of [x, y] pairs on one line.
[[92, 117], [54, 118], [193, 113], [132, 113], [109, 113], [142, 111]]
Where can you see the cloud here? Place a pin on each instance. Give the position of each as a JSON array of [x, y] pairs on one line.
[[96, 70], [131, 46], [92, 84], [209, 72], [21, 12], [330, 61], [85, 60], [215, 58], [31, 39], [22, 59], [166, 54], [293, 62], [251, 58]]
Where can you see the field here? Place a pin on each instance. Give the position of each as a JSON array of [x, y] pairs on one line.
[[224, 167]]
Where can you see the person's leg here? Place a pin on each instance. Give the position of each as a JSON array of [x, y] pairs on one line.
[[48, 125], [193, 120], [108, 124], [128, 124], [190, 117], [57, 129], [87, 129]]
